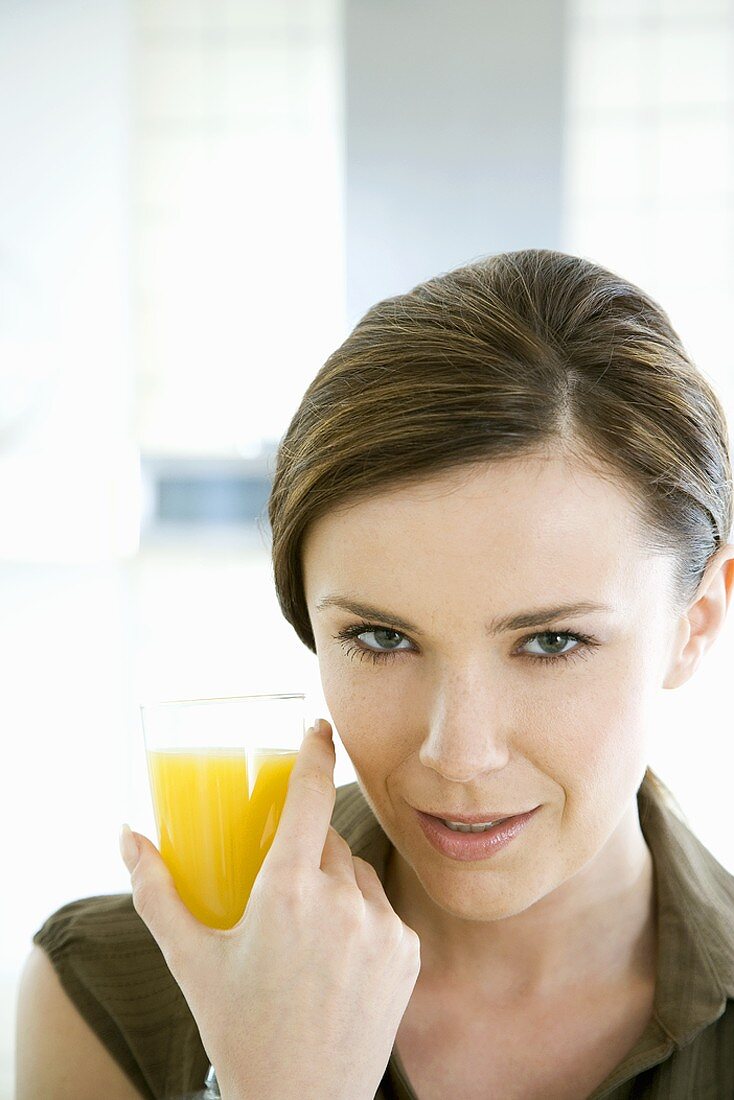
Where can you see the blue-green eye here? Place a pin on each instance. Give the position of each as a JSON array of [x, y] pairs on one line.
[[564, 637], [388, 641]]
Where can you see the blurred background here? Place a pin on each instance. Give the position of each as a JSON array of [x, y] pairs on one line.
[[198, 200]]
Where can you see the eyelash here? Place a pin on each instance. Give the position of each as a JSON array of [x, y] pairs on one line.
[[349, 633]]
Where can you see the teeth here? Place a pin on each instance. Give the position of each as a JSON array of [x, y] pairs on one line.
[[459, 827]]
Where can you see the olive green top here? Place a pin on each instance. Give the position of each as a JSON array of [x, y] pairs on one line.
[[113, 971]]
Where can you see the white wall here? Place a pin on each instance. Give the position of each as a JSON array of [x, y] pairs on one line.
[[68, 474], [238, 207], [454, 140]]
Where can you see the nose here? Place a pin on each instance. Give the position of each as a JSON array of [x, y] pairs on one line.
[[468, 731]]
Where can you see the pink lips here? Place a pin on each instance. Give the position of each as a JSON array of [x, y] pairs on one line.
[[472, 846]]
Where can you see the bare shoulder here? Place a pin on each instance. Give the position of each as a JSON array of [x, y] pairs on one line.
[[57, 1053]]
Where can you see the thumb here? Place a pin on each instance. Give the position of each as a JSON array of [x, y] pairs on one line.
[[157, 901]]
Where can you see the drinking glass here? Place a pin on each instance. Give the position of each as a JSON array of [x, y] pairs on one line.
[[218, 771]]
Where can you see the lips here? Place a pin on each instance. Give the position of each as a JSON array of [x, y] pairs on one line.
[[469, 845]]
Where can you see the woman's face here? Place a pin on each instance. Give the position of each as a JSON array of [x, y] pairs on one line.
[[458, 712]]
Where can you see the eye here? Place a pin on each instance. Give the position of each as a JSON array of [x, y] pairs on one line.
[[580, 650], [384, 637]]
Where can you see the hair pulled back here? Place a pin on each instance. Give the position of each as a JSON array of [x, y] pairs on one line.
[[518, 354]]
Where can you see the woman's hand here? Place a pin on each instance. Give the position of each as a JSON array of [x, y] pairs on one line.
[[303, 998]]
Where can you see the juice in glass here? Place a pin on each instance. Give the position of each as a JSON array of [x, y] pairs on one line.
[[217, 810]]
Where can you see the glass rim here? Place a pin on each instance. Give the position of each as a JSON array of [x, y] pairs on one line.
[[151, 704]]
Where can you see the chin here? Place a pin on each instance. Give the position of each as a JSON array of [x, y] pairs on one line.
[[478, 908], [488, 893]]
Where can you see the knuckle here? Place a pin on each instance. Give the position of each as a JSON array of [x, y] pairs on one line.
[[393, 932], [410, 936], [314, 780], [386, 936], [284, 882], [399, 937], [319, 783], [143, 898], [366, 868], [338, 840], [350, 905], [411, 948]]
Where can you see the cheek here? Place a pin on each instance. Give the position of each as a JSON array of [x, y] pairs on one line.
[[346, 695], [360, 696], [366, 711], [593, 740]]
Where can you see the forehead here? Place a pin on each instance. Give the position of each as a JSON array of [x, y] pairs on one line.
[[519, 524]]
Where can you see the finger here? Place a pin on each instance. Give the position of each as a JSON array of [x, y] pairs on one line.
[[336, 860], [157, 902], [309, 804], [369, 883]]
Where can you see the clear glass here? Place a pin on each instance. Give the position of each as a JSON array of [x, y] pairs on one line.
[[218, 772]]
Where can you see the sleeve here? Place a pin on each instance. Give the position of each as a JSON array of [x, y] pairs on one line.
[[113, 971]]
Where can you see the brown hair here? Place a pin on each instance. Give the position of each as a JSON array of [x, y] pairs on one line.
[[518, 354]]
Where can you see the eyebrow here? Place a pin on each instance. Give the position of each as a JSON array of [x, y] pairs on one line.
[[539, 616]]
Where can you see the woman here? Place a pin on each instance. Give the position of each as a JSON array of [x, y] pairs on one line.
[[500, 517]]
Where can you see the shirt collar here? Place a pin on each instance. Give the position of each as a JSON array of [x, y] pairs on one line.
[[695, 913]]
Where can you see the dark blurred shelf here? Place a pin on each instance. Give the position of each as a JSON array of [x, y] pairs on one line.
[[183, 494]]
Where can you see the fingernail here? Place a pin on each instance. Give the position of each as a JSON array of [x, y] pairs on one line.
[[129, 848]]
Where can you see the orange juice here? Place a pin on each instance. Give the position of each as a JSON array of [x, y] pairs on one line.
[[216, 821]]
